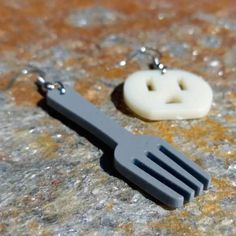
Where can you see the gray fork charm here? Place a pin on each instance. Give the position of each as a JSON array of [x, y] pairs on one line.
[[148, 162]]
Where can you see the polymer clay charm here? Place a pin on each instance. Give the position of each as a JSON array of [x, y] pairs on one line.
[[167, 94], [177, 94]]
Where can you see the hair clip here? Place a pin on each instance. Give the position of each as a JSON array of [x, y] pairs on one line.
[[162, 94], [148, 162]]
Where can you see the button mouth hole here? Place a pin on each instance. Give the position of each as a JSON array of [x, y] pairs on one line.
[[174, 100]]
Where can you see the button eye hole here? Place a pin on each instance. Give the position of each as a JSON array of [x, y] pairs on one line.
[[150, 85], [174, 100], [182, 84]]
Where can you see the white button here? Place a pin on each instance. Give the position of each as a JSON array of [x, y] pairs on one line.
[[178, 94]]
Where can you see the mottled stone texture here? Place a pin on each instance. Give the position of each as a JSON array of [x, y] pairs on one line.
[[55, 179]]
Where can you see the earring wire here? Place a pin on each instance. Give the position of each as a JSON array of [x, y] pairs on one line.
[[156, 57], [41, 81]]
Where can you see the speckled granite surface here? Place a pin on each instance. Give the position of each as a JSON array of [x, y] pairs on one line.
[[57, 180]]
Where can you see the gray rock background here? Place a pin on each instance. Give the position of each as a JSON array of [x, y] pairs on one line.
[[57, 180]]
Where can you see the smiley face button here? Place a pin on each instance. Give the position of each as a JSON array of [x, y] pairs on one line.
[[178, 94]]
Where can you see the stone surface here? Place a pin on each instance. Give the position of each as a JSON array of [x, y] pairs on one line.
[[57, 180]]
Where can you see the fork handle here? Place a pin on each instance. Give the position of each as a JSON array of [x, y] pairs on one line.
[[73, 106]]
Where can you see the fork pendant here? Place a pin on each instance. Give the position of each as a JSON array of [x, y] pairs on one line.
[[148, 162]]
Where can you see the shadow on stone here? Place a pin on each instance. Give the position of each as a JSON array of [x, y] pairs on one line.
[[118, 100]]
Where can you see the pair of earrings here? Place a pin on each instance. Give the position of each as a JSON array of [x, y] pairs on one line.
[[148, 162], [162, 94]]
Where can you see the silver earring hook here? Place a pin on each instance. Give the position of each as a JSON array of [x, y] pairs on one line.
[[154, 53], [41, 81]]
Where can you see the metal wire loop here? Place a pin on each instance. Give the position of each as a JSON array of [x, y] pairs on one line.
[[41, 81], [154, 53]]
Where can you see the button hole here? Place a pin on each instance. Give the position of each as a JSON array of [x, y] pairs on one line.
[[182, 85], [150, 85], [173, 100]]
